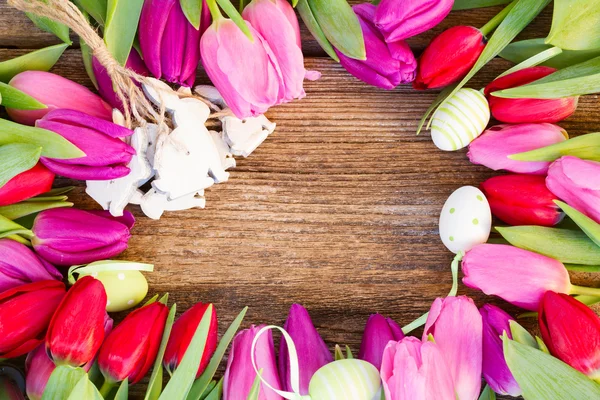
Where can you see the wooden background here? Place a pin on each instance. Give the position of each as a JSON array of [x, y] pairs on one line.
[[337, 210]]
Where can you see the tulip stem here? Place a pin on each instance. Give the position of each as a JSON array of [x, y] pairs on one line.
[[585, 290], [106, 388], [494, 22], [215, 12]]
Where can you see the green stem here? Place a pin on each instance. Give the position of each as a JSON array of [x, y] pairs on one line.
[[242, 5], [494, 22], [19, 239], [106, 388], [583, 268], [215, 12], [585, 290]]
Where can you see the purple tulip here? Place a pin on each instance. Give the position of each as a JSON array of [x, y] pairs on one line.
[[387, 64], [68, 236], [379, 331], [401, 19], [106, 156], [312, 351], [19, 265], [38, 368], [169, 43], [577, 182], [240, 374], [495, 369]]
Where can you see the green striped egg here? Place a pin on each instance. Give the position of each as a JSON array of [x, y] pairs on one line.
[[460, 119], [349, 379]]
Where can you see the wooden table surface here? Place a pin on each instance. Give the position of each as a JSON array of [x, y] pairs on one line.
[[337, 210]]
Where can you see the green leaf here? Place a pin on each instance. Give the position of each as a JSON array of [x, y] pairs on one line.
[[62, 382], [575, 25], [520, 335], [255, 388], [586, 147], [487, 394], [543, 377], [122, 19], [53, 145], [216, 393], [590, 227], [208, 389], [469, 4], [524, 49], [192, 10], [534, 60], [123, 392], [313, 26], [338, 354], [85, 390], [14, 98], [56, 192], [202, 382], [564, 245], [24, 208], [96, 8], [235, 16], [541, 345], [16, 158], [50, 26], [349, 354], [155, 384], [340, 25], [183, 377], [39, 60]]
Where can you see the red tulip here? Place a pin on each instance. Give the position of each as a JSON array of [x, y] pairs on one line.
[[571, 330], [522, 200], [449, 57], [130, 349], [76, 331], [27, 184], [516, 111], [182, 334], [25, 313]]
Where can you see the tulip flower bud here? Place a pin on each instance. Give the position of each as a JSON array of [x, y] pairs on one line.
[[494, 146], [9, 389], [493, 268], [77, 327], [455, 324], [449, 57], [130, 349], [240, 375], [387, 64], [379, 331], [106, 156], [517, 111], [313, 353], [38, 368], [571, 330], [26, 185], [495, 370], [55, 92], [19, 265], [68, 236], [169, 43], [522, 200], [245, 73], [402, 19], [412, 370], [25, 312], [577, 182], [182, 334]]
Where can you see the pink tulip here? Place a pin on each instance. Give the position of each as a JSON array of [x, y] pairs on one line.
[[379, 331], [518, 276], [455, 324], [240, 374], [38, 368], [55, 92], [413, 370], [402, 19], [246, 73], [496, 144], [577, 182]]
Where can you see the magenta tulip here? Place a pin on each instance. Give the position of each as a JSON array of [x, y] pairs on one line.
[[402, 19], [413, 370], [577, 182], [455, 324], [38, 368], [518, 276], [19, 265], [496, 144], [56, 92], [68, 236], [379, 331], [106, 155], [240, 373], [495, 370], [313, 353], [387, 64]]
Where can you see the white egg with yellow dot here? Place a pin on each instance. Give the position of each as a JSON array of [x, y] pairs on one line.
[[124, 289], [466, 219]]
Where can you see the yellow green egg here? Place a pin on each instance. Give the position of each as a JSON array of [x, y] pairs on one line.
[[349, 379], [124, 289]]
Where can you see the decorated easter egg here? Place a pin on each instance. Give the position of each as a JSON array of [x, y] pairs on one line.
[[124, 289], [466, 219], [460, 119], [349, 379]]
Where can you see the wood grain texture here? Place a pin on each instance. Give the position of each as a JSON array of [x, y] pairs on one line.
[[337, 210]]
